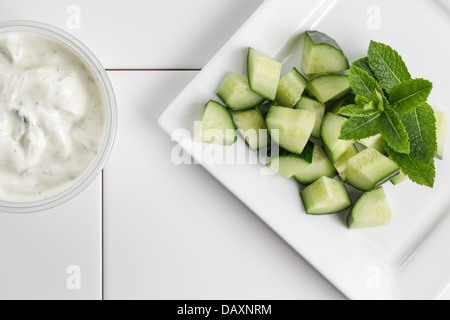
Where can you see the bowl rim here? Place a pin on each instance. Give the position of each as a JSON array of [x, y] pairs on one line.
[[85, 54]]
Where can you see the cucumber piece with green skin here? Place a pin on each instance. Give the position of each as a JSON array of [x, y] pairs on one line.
[[320, 166], [342, 163], [322, 54], [290, 88], [216, 125], [371, 210], [290, 128], [370, 169], [306, 103], [330, 132], [329, 87], [441, 132], [252, 127], [288, 164], [325, 196], [235, 92], [263, 74]]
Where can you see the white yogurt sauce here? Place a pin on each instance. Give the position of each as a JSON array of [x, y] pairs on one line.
[[52, 117]]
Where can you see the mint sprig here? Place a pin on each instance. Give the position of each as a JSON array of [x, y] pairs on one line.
[[389, 102]]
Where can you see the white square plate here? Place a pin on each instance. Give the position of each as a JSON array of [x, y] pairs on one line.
[[408, 259]]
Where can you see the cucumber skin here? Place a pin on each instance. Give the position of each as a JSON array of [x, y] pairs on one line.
[[317, 38]]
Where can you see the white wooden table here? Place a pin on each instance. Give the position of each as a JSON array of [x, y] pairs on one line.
[[147, 228]]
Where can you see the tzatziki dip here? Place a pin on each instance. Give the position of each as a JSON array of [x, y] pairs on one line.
[[52, 117]]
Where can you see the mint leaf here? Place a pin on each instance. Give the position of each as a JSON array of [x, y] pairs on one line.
[[379, 101], [416, 170], [408, 95], [353, 110], [393, 131], [363, 64], [360, 127], [387, 65], [362, 83], [421, 127], [361, 100]]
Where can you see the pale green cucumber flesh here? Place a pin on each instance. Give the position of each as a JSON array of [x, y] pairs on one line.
[[375, 142], [263, 74], [306, 103], [325, 196], [370, 169], [330, 132], [288, 164], [290, 88], [252, 127], [329, 87], [321, 54], [342, 163], [371, 210], [290, 128], [399, 179], [216, 125], [235, 92], [320, 166], [441, 132]]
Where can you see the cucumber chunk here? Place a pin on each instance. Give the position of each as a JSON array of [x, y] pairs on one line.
[[216, 125], [263, 74], [369, 169], [306, 103], [320, 166], [342, 163], [235, 92], [330, 132], [290, 128], [252, 127], [288, 164], [441, 132], [371, 210], [325, 196], [290, 88], [399, 179], [375, 142], [329, 87], [322, 54]]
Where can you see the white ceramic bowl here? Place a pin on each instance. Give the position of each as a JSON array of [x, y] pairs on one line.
[[110, 116]]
